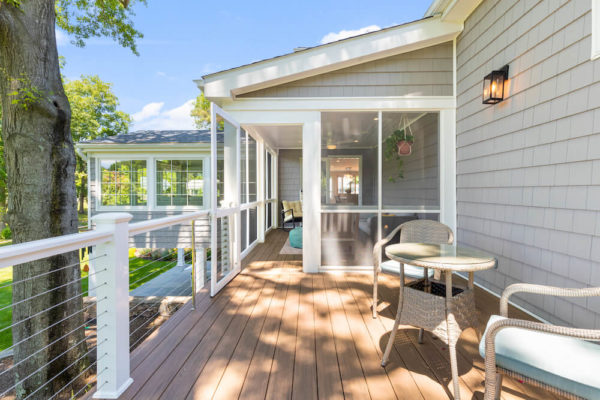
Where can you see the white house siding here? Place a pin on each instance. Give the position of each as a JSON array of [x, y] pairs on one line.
[[174, 236], [528, 169], [425, 72]]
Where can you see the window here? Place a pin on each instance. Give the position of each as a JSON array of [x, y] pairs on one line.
[[179, 183], [123, 183]]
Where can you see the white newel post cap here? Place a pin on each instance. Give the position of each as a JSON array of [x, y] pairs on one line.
[[112, 218]]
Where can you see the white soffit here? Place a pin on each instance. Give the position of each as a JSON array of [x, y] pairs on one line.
[[330, 57]]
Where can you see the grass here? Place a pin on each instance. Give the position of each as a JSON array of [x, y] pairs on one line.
[[138, 277]]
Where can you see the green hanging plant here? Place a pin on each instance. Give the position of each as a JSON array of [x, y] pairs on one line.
[[398, 144]]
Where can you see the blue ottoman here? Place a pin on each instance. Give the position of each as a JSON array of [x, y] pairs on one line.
[[296, 237]]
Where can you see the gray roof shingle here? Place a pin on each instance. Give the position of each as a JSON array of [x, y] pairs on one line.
[[156, 137]]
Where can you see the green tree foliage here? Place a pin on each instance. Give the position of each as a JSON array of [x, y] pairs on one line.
[[201, 112], [94, 113]]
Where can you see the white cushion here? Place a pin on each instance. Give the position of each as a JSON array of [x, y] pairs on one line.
[[410, 271]]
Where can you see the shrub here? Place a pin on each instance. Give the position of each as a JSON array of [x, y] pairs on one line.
[[6, 233]]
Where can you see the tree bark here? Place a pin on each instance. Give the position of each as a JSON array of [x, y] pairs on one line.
[[42, 201]]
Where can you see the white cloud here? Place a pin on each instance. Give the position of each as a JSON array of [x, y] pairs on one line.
[[148, 111], [61, 38], [343, 34], [152, 116]]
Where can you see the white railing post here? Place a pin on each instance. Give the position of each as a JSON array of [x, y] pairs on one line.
[[112, 313]]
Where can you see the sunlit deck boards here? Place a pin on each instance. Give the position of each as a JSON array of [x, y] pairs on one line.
[[277, 333]]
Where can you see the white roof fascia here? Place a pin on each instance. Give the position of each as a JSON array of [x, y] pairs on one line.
[[330, 57], [452, 10]]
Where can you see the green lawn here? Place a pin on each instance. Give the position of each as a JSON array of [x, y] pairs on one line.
[[143, 274]]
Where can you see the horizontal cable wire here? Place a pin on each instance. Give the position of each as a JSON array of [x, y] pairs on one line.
[[151, 273], [49, 308], [48, 363], [150, 319], [81, 373], [60, 373], [49, 272], [50, 344], [151, 262], [51, 290], [57, 322]]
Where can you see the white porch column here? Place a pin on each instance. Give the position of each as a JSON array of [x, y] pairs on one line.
[[181, 257], [448, 168], [311, 184], [260, 187], [113, 312]]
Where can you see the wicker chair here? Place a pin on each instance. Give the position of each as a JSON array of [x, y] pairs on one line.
[[572, 341], [416, 231]]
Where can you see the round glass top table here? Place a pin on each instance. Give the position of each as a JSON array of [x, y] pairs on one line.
[[439, 307]]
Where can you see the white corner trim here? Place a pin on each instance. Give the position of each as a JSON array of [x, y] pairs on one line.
[[336, 55], [595, 52]]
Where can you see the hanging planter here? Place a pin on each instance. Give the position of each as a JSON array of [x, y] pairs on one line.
[[404, 142], [398, 145]]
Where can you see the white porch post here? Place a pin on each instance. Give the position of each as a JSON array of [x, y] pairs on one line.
[[448, 168], [181, 257], [260, 187], [113, 312], [311, 184]]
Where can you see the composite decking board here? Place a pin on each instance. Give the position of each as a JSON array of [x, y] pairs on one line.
[[254, 385], [376, 377], [193, 339], [270, 349], [159, 352], [243, 326], [282, 369], [403, 379], [190, 369], [305, 365], [251, 344], [329, 382], [353, 378]]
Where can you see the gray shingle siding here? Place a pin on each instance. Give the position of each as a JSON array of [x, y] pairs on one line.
[[425, 72], [528, 168]]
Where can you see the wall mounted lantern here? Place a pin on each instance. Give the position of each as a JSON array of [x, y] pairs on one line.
[[493, 86]]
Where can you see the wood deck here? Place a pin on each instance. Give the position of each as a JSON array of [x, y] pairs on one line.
[[277, 333]]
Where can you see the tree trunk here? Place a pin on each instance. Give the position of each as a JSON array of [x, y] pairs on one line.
[[42, 201]]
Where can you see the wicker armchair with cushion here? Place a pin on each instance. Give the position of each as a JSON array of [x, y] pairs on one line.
[[291, 212], [563, 360], [416, 231]]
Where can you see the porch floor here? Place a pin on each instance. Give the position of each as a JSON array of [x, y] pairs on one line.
[[277, 333]]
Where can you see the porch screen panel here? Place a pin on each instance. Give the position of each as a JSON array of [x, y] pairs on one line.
[[253, 225], [244, 226], [347, 239], [349, 159], [410, 161], [252, 169], [243, 166]]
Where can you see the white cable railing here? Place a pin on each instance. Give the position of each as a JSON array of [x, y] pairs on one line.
[[71, 328]]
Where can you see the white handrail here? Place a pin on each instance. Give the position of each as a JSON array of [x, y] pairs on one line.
[[37, 249]]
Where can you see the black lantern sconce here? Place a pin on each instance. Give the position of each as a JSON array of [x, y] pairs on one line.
[[493, 86]]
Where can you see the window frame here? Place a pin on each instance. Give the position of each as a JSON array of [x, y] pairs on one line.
[[151, 204], [98, 196], [206, 198]]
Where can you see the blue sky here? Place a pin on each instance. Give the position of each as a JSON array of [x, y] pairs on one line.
[[185, 39]]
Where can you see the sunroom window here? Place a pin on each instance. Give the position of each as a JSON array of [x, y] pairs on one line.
[[123, 183], [179, 183]]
